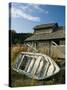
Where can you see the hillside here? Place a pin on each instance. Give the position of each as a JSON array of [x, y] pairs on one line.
[[17, 38]]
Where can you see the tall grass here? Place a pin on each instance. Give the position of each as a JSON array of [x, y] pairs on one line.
[[15, 50]]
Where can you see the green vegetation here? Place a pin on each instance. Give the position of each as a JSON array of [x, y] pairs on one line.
[[17, 38]]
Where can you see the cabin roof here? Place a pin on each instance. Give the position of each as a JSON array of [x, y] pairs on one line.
[[59, 34], [49, 25]]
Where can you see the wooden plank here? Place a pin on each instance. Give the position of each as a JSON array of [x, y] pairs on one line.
[[26, 68], [30, 65], [20, 61], [36, 65], [39, 68]]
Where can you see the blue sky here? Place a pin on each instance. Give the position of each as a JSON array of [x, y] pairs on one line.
[[25, 16]]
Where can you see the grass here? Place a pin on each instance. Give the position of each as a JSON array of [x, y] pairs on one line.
[[15, 50], [19, 80]]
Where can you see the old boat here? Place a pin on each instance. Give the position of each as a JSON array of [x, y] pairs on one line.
[[35, 65]]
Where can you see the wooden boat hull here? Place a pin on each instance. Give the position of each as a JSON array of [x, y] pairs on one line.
[[35, 65]]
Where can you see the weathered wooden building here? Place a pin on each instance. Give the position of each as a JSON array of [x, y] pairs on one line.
[[45, 34]]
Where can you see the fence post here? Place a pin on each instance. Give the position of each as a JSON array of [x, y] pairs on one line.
[[50, 48]]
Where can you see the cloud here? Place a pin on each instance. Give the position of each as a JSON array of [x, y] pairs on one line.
[[37, 7], [32, 8], [30, 12], [15, 12]]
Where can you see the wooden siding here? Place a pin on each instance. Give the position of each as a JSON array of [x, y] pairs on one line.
[[43, 31], [62, 42], [43, 43]]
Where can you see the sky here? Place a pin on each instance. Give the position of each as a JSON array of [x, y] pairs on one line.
[[25, 16]]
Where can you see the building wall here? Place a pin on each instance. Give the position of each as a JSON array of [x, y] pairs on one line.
[[43, 43], [38, 44], [58, 51], [47, 48], [43, 31]]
